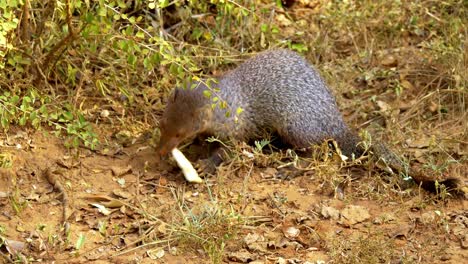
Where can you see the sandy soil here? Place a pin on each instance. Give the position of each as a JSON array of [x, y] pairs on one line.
[[152, 215]]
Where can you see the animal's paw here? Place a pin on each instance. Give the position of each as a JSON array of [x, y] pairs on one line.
[[205, 166]]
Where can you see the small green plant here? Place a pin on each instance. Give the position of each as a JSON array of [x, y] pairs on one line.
[[2, 233], [210, 229], [79, 131], [17, 202], [259, 145], [439, 168], [102, 227], [6, 160], [80, 242]]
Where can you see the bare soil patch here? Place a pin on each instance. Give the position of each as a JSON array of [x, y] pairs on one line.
[[151, 214]]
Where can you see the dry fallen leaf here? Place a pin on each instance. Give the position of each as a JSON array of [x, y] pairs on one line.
[[104, 200], [383, 106], [420, 142], [434, 107], [242, 256], [122, 194], [389, 61], [102, 209], [353, 214], [14, 247], [407, 85], [283, 20], [155, 253], [330, 212], [256, 242], [119, 171]]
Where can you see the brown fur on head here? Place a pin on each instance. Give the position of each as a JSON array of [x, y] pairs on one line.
[[184, 118]]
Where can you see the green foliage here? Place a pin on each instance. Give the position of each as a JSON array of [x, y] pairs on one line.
[[78, 130], [8, 23], [6, 160], [2, 233], [259, 145], [18, 203], [34, 110], [115, 50], [80, 241]]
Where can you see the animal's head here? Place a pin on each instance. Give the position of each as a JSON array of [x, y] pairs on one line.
[[185, 117]]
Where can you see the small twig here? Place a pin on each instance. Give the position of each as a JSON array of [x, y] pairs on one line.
[[61, 190], [72, 35], [25, 29]]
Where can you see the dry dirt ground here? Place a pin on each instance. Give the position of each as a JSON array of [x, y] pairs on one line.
[[123, 207]]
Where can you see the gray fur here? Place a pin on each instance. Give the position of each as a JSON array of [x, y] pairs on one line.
[[280, 92]]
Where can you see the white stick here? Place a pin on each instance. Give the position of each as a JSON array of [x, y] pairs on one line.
[[189, 172]]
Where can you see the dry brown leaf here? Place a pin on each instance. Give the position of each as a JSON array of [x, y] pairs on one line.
[[407, 85], [421, 142], [242, 256], [383, 106], [104, 200], [389, 61], [353, 214], [433, 107], [122, 194], [14, 247], [119, 171], [291, 232], [330, 212]]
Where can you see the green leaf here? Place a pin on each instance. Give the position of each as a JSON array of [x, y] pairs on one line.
[[33, 116], [147, 63], [131, 59], [102, 12], [207, 94], [82, 119], [14, 99], [163, 3], [26, 100], [67, 115], [76, 142], [80, 242], [300, 47], [223, 105], [275, 30], [22, 120], [5, 122], [173, 68], [239, 110]]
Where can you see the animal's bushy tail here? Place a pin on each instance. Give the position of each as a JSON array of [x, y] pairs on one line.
[[398, 166]]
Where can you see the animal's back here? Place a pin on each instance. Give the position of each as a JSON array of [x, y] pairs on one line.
[[281, 92]]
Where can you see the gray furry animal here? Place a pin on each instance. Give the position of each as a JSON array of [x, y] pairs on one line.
[[280, 93]]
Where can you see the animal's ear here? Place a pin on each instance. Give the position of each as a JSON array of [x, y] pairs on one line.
[[175, 94]]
